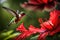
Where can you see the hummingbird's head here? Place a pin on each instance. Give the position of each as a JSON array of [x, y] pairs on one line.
[[21, 14]]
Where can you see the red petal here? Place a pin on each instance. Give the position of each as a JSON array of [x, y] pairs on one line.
[[23, 36], [45, 1], [55, 31], [54, 17], [32, 29], [21, 28], [46, 25], [39, 4], [34, 2], [42, 36], [35, 30], [40, 20]]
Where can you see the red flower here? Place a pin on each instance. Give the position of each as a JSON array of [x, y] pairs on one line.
[[39, 4], [26, 33], [53, 21], [52, 26], [55, 31], [21, 28]]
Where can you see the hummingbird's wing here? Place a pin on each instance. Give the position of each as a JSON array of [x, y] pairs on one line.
[[17, 11], [15, 14], [12, 21]]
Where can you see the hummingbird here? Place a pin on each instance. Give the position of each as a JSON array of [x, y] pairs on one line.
[[17, 15]]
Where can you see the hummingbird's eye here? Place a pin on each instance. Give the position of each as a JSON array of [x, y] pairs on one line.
[[22, 14]]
